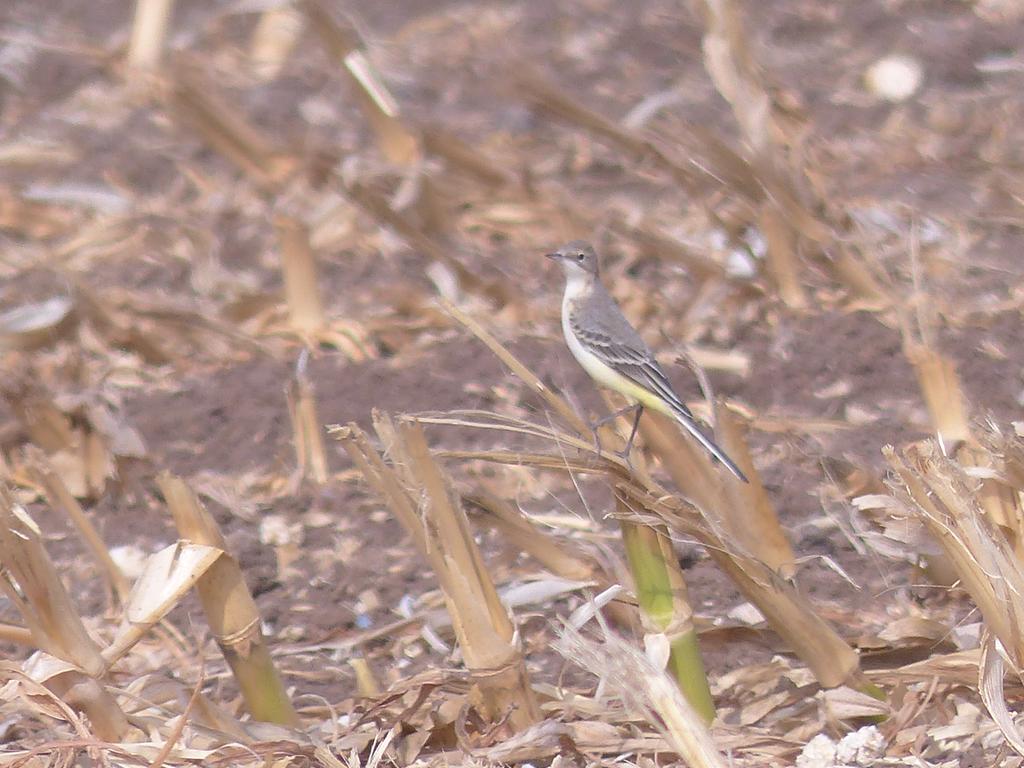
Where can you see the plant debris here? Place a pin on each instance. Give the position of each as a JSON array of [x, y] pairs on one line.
[[226, 227]]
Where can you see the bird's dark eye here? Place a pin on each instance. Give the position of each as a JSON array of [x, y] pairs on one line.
[[580, 257]]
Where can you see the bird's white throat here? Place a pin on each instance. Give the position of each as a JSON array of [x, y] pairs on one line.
[[576, 282]]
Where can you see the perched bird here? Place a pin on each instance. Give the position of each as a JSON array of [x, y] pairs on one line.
[[612, 352]]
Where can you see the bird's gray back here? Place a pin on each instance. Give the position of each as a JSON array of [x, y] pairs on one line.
[[599, 325], [599, 318]]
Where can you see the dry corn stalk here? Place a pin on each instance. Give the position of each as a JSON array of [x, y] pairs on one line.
[[991, 676], [1011, 450], [230, 609], [274, 39], [1000, 500], [782, 260], [118, 330], [195, 101], [47, 425], [515, 528], [557, 403], [559, 557], [950, 499], [301, 283], [748, 514], [10, 633], [306, 427], [758, 571], [486, 635], [379, 208], [402, 142], [540, 92], [687, 464], [729, 61], [30, 219], [850, 269], [944, 496], [61, 498], [457, 153], [149, 29], [758, 184], [742, 511], [940, 384], [81, 692], [788, 222], [32, 584], [751, 181], [698, 266], [366, 683], [76, 451], [72, 662], [399, 142], [646, 692]]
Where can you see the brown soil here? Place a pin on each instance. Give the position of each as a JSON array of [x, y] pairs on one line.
[[225, 414]]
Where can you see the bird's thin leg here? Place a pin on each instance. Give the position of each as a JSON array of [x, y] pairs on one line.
[[612, 416], [632, 432], [604, 420], [597, 441]]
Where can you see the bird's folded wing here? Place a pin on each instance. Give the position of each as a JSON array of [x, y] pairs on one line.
[[634, 362]]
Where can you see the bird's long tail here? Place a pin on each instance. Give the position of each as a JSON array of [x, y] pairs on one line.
[[685, 418]]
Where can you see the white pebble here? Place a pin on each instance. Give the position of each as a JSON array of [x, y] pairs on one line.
[[819, 752], [276, 531], [895, 78], [862, 747]]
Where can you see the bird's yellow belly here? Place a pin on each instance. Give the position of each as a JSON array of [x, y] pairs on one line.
[[608, 377]]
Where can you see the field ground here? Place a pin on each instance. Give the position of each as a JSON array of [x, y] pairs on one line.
[[107, 192]]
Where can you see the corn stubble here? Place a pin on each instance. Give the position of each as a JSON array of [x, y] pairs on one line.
[[947, 497], [812, 638], [664, 602], [230, 609], [70, 663], [199, 105], [420, 496], [307, 431], [301, 285], [795, 224], [72, 666], [149, 30], [647, 692], [949, 411]]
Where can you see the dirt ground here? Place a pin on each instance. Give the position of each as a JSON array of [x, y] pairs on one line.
[[826, 386]]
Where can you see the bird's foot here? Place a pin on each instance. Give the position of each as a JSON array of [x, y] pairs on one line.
[[625, 456], [637, 409]]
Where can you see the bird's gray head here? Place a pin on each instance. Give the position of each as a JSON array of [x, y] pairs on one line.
[[576, 257]]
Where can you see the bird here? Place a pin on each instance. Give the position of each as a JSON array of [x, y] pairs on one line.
[[611, 351]]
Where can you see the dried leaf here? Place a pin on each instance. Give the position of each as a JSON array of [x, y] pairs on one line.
[[31, 326]]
